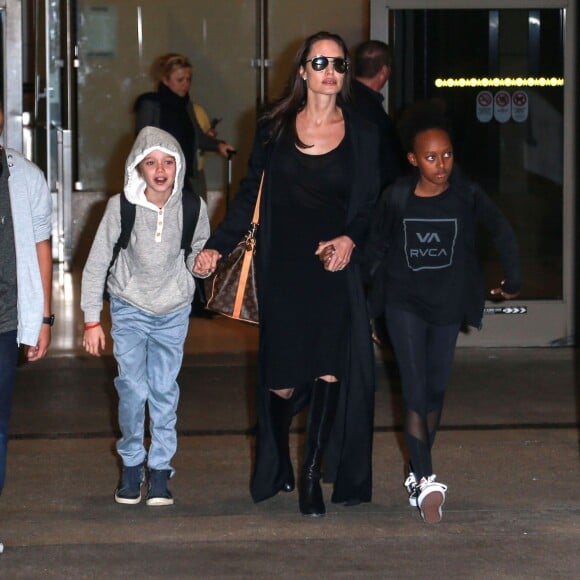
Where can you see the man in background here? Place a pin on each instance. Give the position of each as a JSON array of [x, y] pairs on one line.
[[372, 70]]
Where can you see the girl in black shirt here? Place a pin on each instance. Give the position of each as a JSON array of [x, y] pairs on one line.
[[428, 281]]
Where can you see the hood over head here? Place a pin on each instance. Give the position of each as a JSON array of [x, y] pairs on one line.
[[151, 139]]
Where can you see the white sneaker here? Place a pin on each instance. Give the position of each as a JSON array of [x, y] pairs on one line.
[[431, 499], [411, 487]]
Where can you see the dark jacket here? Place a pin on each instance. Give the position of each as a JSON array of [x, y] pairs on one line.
[[348, 457], [166, 110], [485, 212], [369, 104]]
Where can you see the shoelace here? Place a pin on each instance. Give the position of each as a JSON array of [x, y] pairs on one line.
[[428, 480], [411, 483]]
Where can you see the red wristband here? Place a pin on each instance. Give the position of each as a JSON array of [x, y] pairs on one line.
[[92, 325]]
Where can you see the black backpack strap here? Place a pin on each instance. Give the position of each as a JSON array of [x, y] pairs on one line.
[[396, 205], [389, 211], [191, 208], [128, 211]]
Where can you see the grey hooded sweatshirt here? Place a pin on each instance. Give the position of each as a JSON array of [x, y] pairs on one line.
[[151, 274]]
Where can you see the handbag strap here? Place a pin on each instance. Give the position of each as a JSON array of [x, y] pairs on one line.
[[256, 216]]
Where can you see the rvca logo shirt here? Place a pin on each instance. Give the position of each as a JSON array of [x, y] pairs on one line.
[[429, 243]]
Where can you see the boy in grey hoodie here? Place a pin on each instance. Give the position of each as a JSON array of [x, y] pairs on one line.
[[151, 288]]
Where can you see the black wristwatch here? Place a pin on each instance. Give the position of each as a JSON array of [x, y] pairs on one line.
[[48, 320]]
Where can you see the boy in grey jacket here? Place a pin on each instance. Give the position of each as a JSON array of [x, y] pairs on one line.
[[151, 288]]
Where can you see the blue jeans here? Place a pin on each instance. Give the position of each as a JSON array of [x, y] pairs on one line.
[[8, 361], [149, 352]]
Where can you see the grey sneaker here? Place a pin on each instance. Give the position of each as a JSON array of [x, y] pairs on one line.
[[159, 493], [129, 488]]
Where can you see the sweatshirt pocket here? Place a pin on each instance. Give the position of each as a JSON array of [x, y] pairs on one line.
[[159, 294]]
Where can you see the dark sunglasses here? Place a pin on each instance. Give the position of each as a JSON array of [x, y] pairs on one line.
[[319, 63]]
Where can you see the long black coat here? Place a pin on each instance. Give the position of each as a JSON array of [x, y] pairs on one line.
[[348, 457]]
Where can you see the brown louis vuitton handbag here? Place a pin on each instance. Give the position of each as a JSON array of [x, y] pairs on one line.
[[231, 289]]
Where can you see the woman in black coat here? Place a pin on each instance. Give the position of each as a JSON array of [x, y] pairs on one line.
[[170, 108], [320, 163]]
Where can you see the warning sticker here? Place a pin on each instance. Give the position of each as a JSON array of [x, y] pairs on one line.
[[520, 106], [484, 106], [502, 110]]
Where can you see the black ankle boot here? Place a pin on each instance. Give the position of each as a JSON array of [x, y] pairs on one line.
[[281, 418], [320, 420]]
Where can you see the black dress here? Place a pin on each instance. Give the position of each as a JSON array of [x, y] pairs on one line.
[[348, 457], [307, 307]]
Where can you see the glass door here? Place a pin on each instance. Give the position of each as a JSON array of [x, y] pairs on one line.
[[241, 54], [118, 43], [505, 77], [52, 124]]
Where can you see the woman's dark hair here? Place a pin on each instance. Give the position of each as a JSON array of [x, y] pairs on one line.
[[281, 114], [421, 117]]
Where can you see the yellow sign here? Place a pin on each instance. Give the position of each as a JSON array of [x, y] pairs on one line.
[[498, 82]]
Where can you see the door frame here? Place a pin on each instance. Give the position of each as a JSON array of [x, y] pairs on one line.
[[13, 98], [547, 322]]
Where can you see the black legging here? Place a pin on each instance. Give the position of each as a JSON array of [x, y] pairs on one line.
[[424, 355]]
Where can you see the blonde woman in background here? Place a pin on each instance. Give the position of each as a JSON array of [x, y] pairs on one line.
[[170, 108]]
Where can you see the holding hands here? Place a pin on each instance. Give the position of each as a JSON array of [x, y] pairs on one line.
[[335, 254], [205, 263]]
